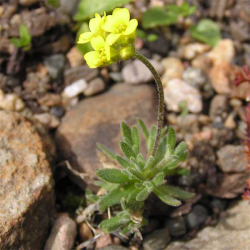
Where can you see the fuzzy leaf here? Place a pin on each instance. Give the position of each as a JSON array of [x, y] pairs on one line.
[[112, 175], [176, 192], [159, 179], [171, 141], [143, 128], [143, 195], [112, 224], [181, 151], [132, 203], [161, 150], [163, 131], [122, 161], [127, 134], [149, 163], [127, 150], [92, 198], [141, 161], [54, 3], [150, 144], [115, 196], [106, 151], [166, 198], [135, 174], [135, 164], [135, 137]]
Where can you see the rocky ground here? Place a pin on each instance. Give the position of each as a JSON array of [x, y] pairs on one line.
[[54, 110]]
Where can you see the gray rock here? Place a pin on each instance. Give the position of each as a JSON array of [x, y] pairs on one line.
[[218, 205], [176, 227], [68, 7], [218, 107], [114, 247], [95, 86], [63, 234], [232, 158], [196, 217], [194, 77], [157, 240], [26, 183], [55, 65], [232, 232], [136, 72], [27, 2], [98, 119]]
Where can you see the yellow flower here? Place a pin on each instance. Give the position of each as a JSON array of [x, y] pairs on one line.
[[95, 29], [103, 55], [120, 26]]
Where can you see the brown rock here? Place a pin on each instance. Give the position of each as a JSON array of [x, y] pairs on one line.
[[75, 57], [97, 119], [242, 91], [63, 234], [228, 185], [26, 183]]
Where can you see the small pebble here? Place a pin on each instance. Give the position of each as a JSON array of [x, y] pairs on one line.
[[176, 227], [75, 89], [196, 217], [95, 86], [47, 120]]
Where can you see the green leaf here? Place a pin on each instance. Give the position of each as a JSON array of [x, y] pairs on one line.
[[143, 128], [187, 10], [126, 131], [158, 16], [206, 31], [141, 161], [111, 224], [132, 203], [112, 175], [163, 131], [171, 140], [150, 144], [122, 161], [175, 192], [87, 8], [166, 198], [181, 151], [115, 196], [136, 137], [135, 174], [135, 164], [159, 179], [152, 38], [54, 3], [161, 150], [150, 162], [127, 150], [17, 42], [24, 34], [183, 171], [92, 198], [83, 48], [143, 195], [106, 151], [140, 33]]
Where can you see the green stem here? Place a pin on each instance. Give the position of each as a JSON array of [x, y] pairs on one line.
[[159, 86]]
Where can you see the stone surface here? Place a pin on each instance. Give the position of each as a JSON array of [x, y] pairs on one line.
[[177, 91], [97, 119], [11, 102], [95, 86], [194, 77], [62, 235], [27, 2], [232, 232], [218, 106], [157, 240], [75, 89], [173, 68], [55, 65], [26, 185], [196, 217], [232, 158], [114, 247], [136, 72], [191, 50], [75, 57], [176, 226]]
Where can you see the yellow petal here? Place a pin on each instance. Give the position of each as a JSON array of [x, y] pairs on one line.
[[97, 42], [85, 37], [131, 27], [107, 51], [121, 15], [92, 58], [108, 24], [94, 23], [112, 38]]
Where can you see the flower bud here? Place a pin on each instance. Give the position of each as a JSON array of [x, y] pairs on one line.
[[127, 52]]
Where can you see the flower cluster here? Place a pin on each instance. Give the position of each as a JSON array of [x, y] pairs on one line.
[[112, 38]]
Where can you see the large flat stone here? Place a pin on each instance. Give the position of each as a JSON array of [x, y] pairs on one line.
[[97, 119], [26, 184]]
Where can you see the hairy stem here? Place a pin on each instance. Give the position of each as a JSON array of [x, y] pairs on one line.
[[159, 86]]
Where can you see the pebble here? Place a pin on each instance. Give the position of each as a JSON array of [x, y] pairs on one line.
[[218, 106], [176, 227], [136, 72], [232, 158], [75, 89], [196, 217], [27, 2], [177, 91], [241, 130], [47, 120], [230, 121], [95, 86], [85, 232], [219, 77], [190, 51], [50, 100], [224, 52], [116, 76], [55, 65], [11, 102], [218, 205], [63, 234], [159, 239], [194, 77], [202, 62], [75, 57], [57, 111], [173, 68], [236, 103], [114, 247]]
